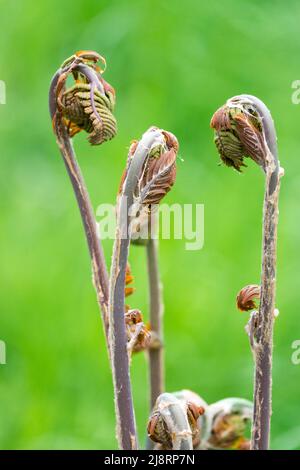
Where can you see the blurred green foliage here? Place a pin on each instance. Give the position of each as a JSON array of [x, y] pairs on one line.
[[172, 64]]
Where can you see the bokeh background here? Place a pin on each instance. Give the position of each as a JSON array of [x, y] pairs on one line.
[[172, 64]]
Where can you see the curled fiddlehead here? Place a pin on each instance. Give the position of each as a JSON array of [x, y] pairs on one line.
[[244, 128], [221, 425], [154, 179], [118, 334], [197, 409], [173, 424], [245, 299], [227, 422], [87, 105], [238, 133], [138, 334]]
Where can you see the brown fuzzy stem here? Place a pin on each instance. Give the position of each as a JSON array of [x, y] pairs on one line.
[[156, 354], [244, 127], [262, 335], [263, 340]]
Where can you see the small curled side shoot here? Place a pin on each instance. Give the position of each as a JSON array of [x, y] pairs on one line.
[[245, 301], [138, 333], [246, 297], [129, 279]]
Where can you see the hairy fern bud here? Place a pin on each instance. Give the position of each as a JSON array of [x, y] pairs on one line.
[[246, 297], [228, 421], [239, 132], [96, 119], [88, 104], [156, 179], [173, 424]]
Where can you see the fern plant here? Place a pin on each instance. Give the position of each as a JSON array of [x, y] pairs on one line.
[[181, 420], [244, 128]]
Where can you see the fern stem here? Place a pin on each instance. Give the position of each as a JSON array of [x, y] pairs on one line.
[[264, 335], [156, 354], [100, 274], [126, 428], [263, 349]]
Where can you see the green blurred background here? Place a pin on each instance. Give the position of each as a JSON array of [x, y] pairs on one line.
[[172, 64]]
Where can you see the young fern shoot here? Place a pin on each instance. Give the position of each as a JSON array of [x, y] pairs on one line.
[[158, 177], [173, 423], [225, 424], [244, 128], [88, 106], [132, 191], [184, 421], [156, 310]]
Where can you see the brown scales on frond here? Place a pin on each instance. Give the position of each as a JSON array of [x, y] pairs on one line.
[[171, 141], [129, 278], [159, 172], [220, 119], [238, 134], [158, 430], [251, 137], [158, 178], [193, 413], [138, 334]]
